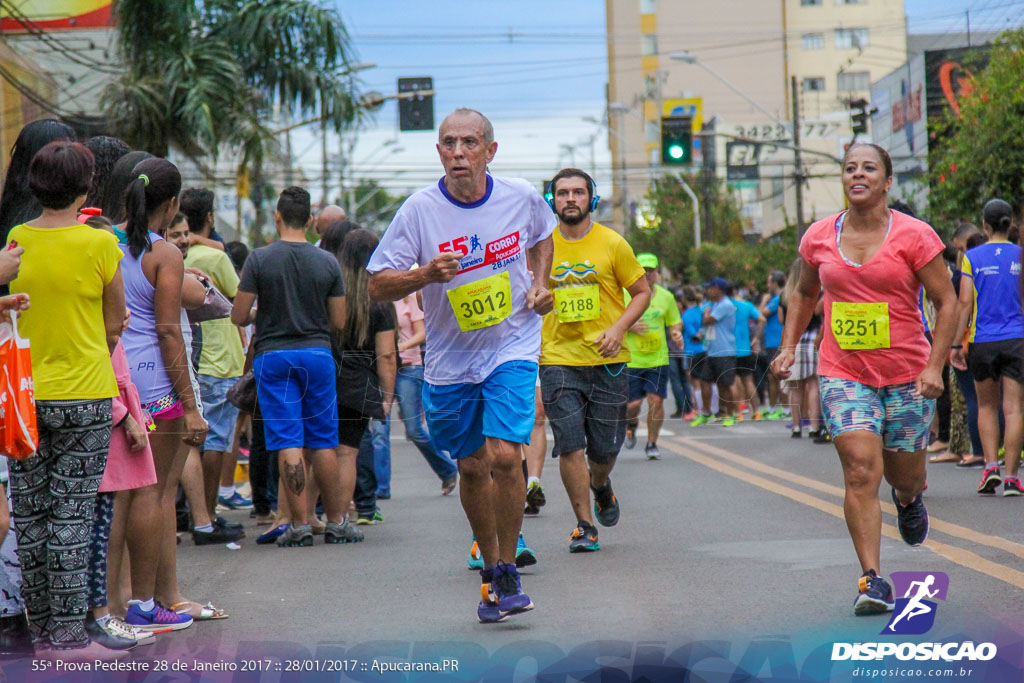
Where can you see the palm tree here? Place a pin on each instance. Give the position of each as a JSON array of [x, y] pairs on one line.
[[202, 75]]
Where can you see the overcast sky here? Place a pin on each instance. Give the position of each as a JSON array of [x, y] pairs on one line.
[[535, 67]]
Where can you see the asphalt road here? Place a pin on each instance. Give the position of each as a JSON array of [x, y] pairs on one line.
[[733, 542]]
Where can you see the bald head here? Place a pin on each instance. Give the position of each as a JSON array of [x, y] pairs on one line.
[[329, 214], [486, 129]]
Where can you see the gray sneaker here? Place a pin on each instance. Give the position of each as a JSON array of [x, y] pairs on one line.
[[342, 533], [296, 537], [652, 451]]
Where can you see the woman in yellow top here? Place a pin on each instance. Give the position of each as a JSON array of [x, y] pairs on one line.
[[73, 276]]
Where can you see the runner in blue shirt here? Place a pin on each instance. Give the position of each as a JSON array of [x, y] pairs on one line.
[[719, 320], [747, 347], [695, 355], [992, 305], [772, 339]]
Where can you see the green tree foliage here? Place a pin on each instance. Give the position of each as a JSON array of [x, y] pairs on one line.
[[983, 155], [668, 229], [374, 206], [199, 75], [669, 234], [742, 263]]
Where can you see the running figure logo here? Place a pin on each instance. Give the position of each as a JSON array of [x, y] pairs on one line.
[[914, 613]]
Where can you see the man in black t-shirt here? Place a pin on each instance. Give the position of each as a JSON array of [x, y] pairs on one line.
[[301, 298]]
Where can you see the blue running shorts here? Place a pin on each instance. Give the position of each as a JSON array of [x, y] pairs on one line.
[[460, 416], [892, 412], [298, 398]]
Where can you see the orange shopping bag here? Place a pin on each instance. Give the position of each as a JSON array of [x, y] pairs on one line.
[[19, 433]]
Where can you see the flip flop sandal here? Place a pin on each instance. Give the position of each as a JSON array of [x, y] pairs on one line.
[[207, 612]]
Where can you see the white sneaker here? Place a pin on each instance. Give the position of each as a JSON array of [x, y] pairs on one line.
[[118, 627], [89, 653]]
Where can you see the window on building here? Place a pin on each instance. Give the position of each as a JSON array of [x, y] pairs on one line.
[[812, 41], [813, 84], [851, 37], [810, 3], [850, 2], [649, 44], [648, 6], [853, 80]]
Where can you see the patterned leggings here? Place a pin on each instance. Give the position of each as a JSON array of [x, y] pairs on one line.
[[101, 521], [54, 497], [11, 602]]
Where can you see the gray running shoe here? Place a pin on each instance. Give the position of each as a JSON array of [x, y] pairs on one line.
[[652, 451], [342, 533], [296, 536]]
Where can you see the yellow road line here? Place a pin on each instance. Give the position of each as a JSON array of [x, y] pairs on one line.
[[964, 558], [948, 528]]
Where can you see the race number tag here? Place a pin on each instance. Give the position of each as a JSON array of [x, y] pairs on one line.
[[858, 327], [576, 304], [482, 303], [648, 343]]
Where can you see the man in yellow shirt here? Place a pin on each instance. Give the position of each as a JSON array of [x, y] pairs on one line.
[[648, 368], [582, 356], [221, 359]]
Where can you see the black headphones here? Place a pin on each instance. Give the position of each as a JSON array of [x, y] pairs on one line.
[[549, 195]]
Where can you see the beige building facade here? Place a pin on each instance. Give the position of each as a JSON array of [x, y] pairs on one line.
[[730, 63]]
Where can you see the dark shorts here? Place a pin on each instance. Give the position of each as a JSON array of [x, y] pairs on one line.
[[643, 381], [586, 407], [722, 369], [992, 360], [351, 425], [746, 365], [700, 369]]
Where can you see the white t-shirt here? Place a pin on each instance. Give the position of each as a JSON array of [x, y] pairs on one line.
[[493, 234]]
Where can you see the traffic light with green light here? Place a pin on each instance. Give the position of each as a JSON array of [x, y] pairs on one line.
[[676, 140], [859, 116]]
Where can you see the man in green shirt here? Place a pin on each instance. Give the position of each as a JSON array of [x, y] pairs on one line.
[[221, 360], [648, 367]]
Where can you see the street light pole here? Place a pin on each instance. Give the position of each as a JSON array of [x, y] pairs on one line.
[[620, 110], [696, 210], [798, 170], [688, 58]]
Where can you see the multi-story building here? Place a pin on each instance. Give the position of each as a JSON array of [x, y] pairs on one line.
[[732, 61], [838, 48]]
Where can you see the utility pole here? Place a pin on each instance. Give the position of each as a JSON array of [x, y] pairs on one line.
[[968, 14], [707, 150], [289, 171], [659, 113], [324, 201], [620, 109], [798, 168]]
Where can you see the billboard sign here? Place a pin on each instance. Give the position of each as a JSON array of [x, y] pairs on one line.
[[24, 16]]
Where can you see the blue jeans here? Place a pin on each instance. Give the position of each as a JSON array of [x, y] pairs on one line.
[[680, 383], [965, 381], [408, 392], [365, 496], [380, 437]]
